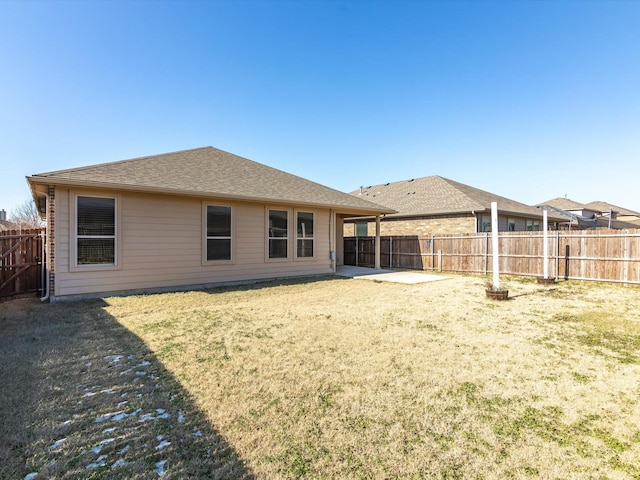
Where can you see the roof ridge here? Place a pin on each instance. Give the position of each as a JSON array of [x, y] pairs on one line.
[[453, 184], [406, 180], [616, 206], [449, 181], [564, 199]]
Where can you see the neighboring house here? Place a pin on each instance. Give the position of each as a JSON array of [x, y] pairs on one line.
[[4, 223], [577, 215], [187, 219], [591, 215], [571, 206], [435, 205], [617, 213]]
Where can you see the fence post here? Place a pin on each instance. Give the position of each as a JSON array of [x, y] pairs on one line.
[[357, 253], [557, 253], [390, 252], [625, 257], [486, 253], [495, 246], [439, 260], [545, 246], [433, 247]]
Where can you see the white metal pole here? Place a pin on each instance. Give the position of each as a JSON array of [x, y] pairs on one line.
[[545, 247], [377, 243], [494, 245]]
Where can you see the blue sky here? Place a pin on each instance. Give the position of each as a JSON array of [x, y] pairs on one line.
[[527, 99]]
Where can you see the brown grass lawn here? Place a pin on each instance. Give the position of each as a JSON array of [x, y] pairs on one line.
[[325, 378]]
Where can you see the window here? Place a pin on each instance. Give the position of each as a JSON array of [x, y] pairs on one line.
[[218, 233], [278, 233], [533, 225], [304, 235], [511, 225], [485, 223], [362, 229], [95, 230]]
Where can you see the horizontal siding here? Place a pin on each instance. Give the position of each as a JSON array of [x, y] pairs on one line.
[[161, 241]]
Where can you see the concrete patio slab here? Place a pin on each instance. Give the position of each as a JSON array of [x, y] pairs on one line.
[[396, 276]]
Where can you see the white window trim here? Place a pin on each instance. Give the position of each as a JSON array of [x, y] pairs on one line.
[[267, 237], [313, 237], [205, 237], [73, 246]]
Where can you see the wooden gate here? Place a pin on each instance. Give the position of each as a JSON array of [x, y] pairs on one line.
[[21, 261]]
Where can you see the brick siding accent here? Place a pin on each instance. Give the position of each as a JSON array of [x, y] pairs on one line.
[[418, 226]]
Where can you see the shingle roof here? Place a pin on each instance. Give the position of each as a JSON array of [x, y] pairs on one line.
[[208, 172], [436, 195], [6, 225], [562, 203], [604, 207]]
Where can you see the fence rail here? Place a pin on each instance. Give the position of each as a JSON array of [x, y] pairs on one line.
[[601, 255], [21, 256]]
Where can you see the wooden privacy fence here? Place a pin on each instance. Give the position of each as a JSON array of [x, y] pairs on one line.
[[601, 255], [21, 256]]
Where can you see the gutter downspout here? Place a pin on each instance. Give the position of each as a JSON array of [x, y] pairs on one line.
[[45, 256], [332, 240]]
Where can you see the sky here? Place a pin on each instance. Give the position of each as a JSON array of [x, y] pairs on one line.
[[530, 100]]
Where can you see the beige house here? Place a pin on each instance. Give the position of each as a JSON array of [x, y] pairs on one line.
[[624, 216], [436, 205], [187, 219], [592, 215]]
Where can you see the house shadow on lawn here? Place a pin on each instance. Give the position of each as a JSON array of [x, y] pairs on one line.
[[83, 397]]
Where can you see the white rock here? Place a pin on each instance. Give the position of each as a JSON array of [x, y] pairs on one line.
[[160, 468], [57, 444]]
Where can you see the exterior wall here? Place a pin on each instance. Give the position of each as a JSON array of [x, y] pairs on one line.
[[504, 220], [418, 226], [161, 246], [339, 240]]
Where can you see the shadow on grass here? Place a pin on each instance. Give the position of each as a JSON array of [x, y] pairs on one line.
[[270, 283], [82, 397]]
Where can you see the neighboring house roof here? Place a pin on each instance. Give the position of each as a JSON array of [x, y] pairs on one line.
[[594, 221], [437, 195], [7, 225], [561, 203], [604, 207], [207, 172]]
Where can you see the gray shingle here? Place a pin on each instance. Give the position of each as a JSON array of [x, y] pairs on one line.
[[437, 195], [208, 172], [562, 203], [604, 207]]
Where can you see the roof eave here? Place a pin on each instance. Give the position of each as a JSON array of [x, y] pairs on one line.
[[343, 209]]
